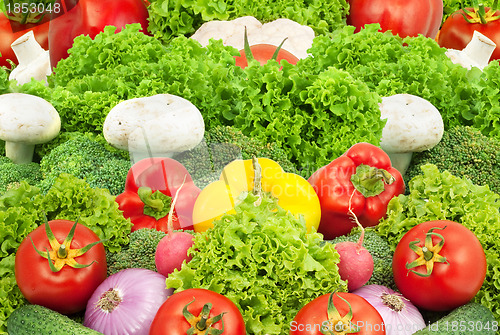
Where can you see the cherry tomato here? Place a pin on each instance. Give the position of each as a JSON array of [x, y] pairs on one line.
[[456, 32], [402, 17], [439, 265], [170, 320], [263, 53], [67, 290], [316, 318], [10, 31]]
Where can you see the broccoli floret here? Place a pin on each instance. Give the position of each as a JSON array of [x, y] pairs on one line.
[[223, 144], [140, 252], [381, 253], [466, 153], [86, 159], [12, 174]]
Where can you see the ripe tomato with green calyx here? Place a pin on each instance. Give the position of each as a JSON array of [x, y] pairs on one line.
[[59, 265], [263, 53], [198, 311], [402, 17], [338, 313], [439, 265], [456, 32]]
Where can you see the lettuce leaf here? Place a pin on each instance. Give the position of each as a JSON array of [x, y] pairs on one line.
[[113, 67], [438, 195], [389, 65], [264, 261], [314, 117]]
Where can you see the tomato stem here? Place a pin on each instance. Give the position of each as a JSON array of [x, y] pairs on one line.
[[202, 324], [61, 253], [339, 325], [479, 13], [428, 255]]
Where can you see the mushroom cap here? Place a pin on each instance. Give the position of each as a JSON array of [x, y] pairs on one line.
[[413, 124], [28, 119], [162, 123]]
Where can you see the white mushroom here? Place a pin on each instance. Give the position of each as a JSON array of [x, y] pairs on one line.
[[26, 120], [413, 125], [477, 52], [158, 125], [34, 61]]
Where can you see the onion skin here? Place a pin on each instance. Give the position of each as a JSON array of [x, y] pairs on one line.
[[401, 317], [133, 298]]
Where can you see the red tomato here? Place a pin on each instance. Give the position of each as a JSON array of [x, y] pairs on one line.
[[456, 32], [264, 52], [10, 31], [402, 17], [454, 280], [68, 290], [314, 317], [169, 319]]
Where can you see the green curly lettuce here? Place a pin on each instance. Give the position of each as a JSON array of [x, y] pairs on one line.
[[4, 79], [439, 195], [314, 117], [264, 261], [72, 198], [22, 210], [487, 120], [171, 18], [113, 67], [389, 65]]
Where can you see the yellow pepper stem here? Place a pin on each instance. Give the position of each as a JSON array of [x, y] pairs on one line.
[[257, 180]]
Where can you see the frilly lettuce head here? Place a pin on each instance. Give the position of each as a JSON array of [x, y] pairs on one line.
[[264, 261]]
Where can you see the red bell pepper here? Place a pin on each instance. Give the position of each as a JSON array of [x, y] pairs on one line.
[[89, 17], [150, 187], [363, 181]]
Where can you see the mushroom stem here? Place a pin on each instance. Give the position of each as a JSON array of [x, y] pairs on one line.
[[400, 160], [480, 49], [19, 153], [34, 61], [27, 48]]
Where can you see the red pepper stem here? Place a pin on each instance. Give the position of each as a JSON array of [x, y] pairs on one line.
[[370, 181]]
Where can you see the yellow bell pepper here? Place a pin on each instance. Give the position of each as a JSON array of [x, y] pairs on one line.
[[294, 193]]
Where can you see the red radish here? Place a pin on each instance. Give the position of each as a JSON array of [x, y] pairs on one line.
[[172, 251], [173, 248], [356, 262]]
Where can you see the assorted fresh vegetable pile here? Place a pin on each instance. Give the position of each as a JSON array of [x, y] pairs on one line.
[[180, 191]]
